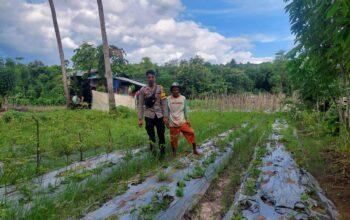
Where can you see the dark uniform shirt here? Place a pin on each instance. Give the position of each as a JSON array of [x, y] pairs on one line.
[[159, 108]]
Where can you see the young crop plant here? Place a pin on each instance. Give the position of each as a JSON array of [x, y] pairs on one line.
[[187, 177], [163, 176], [198, 172], [180, 188], [160, 201], [250, 187], [179, 192]]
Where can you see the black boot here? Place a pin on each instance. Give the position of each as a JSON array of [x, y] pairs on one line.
[[152, 147], [162, 151]]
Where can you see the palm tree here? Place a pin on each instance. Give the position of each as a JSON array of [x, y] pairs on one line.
[[108, 71], [60, 51]]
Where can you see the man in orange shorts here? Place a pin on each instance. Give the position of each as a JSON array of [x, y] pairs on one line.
[[178, 119]]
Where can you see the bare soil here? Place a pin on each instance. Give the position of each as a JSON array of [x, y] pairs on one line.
[[210, 206]]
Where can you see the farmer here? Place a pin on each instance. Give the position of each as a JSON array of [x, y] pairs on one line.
[[178, 119], [152, 105]]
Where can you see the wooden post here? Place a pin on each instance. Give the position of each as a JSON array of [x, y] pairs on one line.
[[37, 145], [108, 70]]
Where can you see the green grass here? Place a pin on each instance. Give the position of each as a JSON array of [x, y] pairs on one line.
[[307, 149]]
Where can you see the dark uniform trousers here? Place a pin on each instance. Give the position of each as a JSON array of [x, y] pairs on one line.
[[158, 123]]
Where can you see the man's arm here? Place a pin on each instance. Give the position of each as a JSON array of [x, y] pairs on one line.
[[186, 110], [163, 102], [140, 106]]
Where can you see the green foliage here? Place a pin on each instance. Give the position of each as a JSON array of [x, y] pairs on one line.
[[179, 192], [160, 201], [197, 172], [85, 57], [320, 58], [6, 82], [163, 176], [250, 187]]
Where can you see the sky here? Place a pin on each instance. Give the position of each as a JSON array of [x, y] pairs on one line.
[[217, 30]]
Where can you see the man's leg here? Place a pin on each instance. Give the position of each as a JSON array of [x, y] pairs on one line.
[[160, 131], [188, 132], [150, 131], [174, 137]]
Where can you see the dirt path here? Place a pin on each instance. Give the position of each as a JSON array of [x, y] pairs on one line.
[[220, 194], [210, 206]]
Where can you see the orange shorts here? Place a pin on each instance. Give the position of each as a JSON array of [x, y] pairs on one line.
[[187, 131]]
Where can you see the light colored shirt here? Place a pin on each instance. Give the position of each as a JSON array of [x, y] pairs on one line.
[[159, 108], [177, 110]]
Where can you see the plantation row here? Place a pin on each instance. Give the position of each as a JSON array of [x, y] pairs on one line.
[[20, 165]]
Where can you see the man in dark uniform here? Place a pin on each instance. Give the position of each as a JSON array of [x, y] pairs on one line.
[[152, 105]]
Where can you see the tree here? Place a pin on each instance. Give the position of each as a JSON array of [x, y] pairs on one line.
[[322, 45], [60, 51], [108, 70], [85, 57], [6, 86]]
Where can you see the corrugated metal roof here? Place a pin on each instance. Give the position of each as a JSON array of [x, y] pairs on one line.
[[129, 80], [94, 75]]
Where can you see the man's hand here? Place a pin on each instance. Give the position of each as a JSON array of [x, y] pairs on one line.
[[140, 123], [166, 122], [188, 122]]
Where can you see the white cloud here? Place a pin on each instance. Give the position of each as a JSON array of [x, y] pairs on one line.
[[69, 43], [141, 27]]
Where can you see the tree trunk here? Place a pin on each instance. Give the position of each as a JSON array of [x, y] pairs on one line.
[[108, 71], [60, 50]]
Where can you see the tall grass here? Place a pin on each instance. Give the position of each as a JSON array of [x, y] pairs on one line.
[[239, 102]]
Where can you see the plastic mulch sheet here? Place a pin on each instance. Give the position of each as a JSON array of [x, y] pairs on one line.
[[283, 190], [127, 206], [55, 179]]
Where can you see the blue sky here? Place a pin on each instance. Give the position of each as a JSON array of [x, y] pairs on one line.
[[250, 18], [217, 30]]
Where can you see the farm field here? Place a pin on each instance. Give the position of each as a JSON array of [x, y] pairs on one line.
[[124, 170], [253, 98], [20, 165]]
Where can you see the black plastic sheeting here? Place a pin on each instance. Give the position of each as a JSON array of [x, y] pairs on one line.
[[283, 190], [140, 195], [53, 182]]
